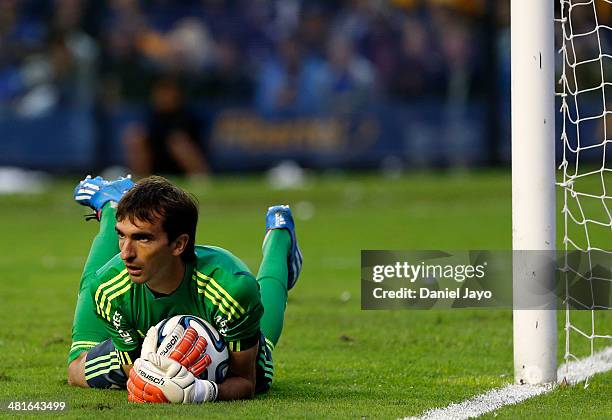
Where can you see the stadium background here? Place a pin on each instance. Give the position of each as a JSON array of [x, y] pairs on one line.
[[410, 83], [405, 82], [410, 97]]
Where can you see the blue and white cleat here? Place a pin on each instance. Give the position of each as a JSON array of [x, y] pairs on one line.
[[96, 192], [280, 217]]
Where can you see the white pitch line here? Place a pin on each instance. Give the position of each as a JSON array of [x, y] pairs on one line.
[[485, 403], [582, 369], [573, 372]]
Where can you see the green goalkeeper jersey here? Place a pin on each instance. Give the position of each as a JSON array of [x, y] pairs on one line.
[[217, 287]]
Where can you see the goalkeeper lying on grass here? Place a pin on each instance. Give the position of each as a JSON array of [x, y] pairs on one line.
[[144, 267]]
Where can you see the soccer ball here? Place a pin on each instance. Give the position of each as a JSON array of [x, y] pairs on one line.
[[168, 336]]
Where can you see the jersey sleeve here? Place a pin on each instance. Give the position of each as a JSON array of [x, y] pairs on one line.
[[108, 296], [237, 308]]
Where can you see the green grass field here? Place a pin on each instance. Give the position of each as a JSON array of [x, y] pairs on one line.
[[333, 360]]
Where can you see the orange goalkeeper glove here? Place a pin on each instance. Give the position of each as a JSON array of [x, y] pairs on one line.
[[159, 379]]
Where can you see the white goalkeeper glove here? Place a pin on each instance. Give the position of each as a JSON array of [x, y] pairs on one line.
[[158, 379], [183, 345], [149, 345]]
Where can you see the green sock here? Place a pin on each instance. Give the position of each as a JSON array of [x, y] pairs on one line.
[[272, 279], [104, 246]]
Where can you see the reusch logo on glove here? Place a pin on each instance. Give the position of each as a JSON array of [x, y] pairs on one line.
[[169, 346], [151, 378]]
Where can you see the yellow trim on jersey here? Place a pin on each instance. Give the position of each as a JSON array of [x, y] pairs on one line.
[[125, 357], [217, 295], [84, 343], [121, 274], [218, 304], [270, 344], [218, 298], [234, 345], [215, 302], [114, 295], [102, 294], [213, 283], [103, 285], [105, 294]]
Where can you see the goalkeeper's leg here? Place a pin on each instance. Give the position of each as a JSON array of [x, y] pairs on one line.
[[279, 270], [272, 279], [278, 273], [104, 246], [88, 331]]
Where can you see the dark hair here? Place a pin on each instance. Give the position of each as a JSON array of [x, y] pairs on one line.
[[155, 198]]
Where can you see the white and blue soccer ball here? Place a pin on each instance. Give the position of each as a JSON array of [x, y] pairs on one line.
[[171, 330]]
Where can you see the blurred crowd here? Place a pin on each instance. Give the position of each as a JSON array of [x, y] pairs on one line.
[[282, 57], [178, 60]]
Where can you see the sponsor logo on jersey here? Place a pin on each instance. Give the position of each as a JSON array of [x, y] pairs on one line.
[[127, 338], [221, 324]]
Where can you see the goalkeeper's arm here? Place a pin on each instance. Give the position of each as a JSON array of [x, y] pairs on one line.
[[76, 371], [240, 380], [100, 367]]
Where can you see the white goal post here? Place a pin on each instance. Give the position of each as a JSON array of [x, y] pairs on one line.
[[585, 84], [533, 184]]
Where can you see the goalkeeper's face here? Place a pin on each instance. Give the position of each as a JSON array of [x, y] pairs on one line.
[[147, 253]]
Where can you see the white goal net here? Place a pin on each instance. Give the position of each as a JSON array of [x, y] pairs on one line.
[[585, 89]]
